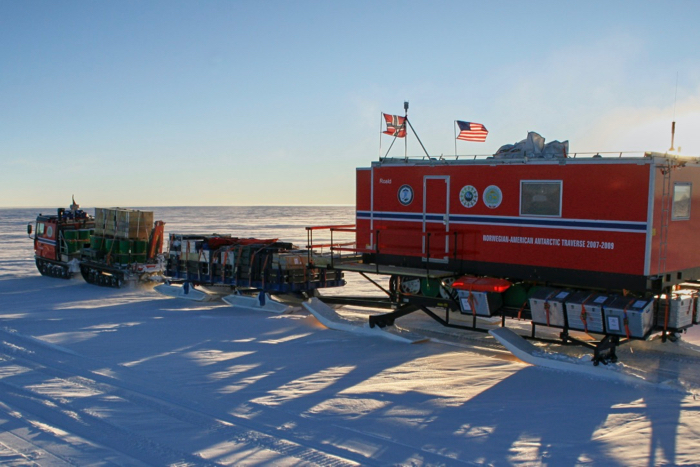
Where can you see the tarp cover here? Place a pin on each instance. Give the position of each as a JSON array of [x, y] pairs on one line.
[[533, 147]]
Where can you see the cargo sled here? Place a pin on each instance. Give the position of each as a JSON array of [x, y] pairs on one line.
[[126, 247], [248, 267]]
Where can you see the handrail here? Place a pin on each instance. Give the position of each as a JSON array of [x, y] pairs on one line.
[[329, 245], [340, 247], [570, 155], [330, 227], [334, 246]]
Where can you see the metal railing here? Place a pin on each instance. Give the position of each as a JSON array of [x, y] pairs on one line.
[[473, 157], [333, 246], [421, 246]]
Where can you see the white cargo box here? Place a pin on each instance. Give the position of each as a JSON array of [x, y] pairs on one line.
[[680, 313], [481, 303], [227, 256], [593, 304], [638, 312], [188, 250], [547, 306], [203, 256]]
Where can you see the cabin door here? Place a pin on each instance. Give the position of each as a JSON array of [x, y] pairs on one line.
[[436, 218]]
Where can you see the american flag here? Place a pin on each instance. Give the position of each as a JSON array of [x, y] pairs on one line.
[[472, 131], [395, 125]]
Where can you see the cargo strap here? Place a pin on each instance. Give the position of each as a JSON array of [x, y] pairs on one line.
[[138, 225], [471, 302], [252, 263], [547, 306], [584, 314], [238, 260], [520, 311], [625, 319], [116, 229], [223, 265], [224, 262], [199, 267], [250, 268], [262, 272]]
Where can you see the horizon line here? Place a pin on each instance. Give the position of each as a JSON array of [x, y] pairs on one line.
[[192, 206]]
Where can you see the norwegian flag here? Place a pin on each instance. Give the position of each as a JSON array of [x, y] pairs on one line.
[[472, 131], [395, 125]]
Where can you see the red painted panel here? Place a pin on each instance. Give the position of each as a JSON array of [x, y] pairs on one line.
[[43, 249], [437, 232], [621, 188], [682, 250], [362, 189], [597, 192]]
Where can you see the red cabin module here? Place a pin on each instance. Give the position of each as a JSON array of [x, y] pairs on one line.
[[608, 222]]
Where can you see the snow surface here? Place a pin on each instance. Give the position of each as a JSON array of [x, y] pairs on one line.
[[101, 376], [95, 376]]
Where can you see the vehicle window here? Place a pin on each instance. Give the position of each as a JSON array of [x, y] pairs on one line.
[[40, 228], [681, 201], [540, 198]]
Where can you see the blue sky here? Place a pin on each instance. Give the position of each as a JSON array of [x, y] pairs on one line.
[[273, 103]]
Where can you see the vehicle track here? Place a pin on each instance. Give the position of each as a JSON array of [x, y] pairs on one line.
[[62, 412], [18, 450], [73, 370]]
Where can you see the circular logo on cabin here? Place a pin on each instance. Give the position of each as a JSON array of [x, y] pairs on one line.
[[405, 195], [492, 196], [468, 196], [49, 231]]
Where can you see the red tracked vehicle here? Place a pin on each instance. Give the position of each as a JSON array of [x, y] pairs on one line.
[[114, 247], [59, 240]]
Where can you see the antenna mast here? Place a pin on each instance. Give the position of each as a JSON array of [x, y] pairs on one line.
[[673, 124]]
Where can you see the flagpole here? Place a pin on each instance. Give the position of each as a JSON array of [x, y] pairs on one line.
[[405, 143], [454, 128], [381, 120], [397, 131], [381, 117], [390, 146]]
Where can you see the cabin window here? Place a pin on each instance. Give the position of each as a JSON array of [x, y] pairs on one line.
[[540, 198], [40, 228], [681, 201]]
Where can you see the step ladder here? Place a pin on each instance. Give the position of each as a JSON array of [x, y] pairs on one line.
[[666, 214]]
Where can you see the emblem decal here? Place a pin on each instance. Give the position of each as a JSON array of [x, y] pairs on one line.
[[468, 196], [405, 195], [492, 196]]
